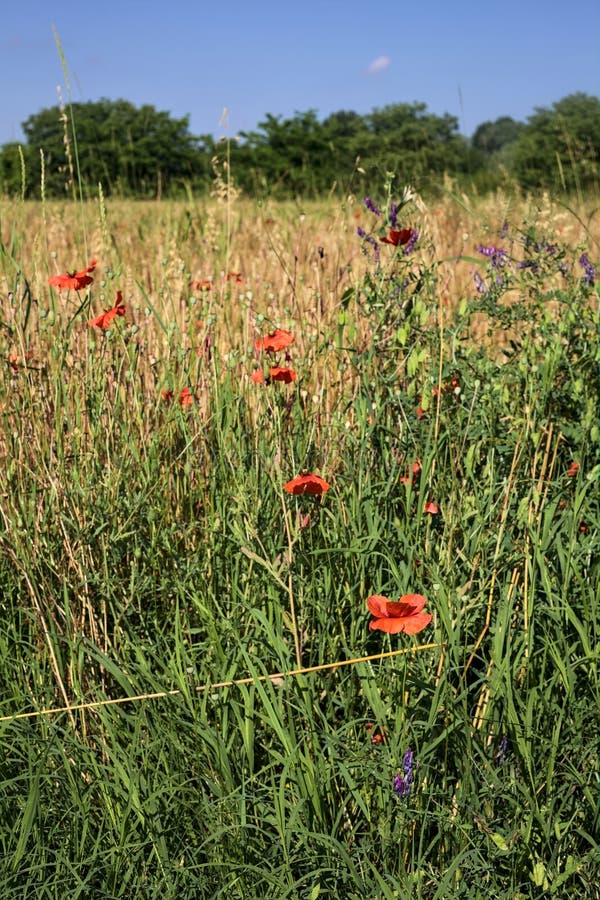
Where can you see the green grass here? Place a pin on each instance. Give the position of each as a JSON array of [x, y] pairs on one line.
[[148, 547]]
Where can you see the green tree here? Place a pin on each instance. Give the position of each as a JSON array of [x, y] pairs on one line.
[[493, 145], [304, 156], [491, 137], [287, 156], [406, 139], [344, 124], [16, 169], [560, 146], [139, 151]]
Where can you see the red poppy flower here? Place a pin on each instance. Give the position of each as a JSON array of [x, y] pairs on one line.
[[257, 376], [186, 398], [278, 373], [14, 360], [104, 320], [204, 285], [73, 280], [573, 469], [431, 508], [307, 484], [235, 276], [416, 471], [167, 394], [378, 736], [398, 238], [276, 341], [448, 387], [404, 616]]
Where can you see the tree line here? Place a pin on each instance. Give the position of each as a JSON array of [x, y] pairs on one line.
[[143, 152]]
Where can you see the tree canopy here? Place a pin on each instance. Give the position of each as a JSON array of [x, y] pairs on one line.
[[560, 146], [144, 152], [130, 150]]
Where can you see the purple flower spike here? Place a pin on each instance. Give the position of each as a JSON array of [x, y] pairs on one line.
[[401, 787], [371, 206], [480, 284], [497, 256], [529, 264], [411, 244], [500, 755], [545, 247], [590, 271], [403, 782], [393, 214], [366, 237], [369, 239]]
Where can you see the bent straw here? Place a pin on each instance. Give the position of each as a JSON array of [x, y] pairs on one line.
[[96, 704]]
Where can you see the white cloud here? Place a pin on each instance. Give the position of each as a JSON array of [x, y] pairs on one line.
[[378, 65]]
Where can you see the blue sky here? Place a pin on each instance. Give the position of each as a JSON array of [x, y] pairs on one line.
[[474, 60]]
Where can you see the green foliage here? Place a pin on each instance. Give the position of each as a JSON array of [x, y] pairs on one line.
[[560, 147], [405, 139], [148, 548], [491, 137], [302, 155], [146, 153], [132, 151]]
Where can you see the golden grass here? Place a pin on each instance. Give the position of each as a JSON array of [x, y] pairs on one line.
[[295, 260]]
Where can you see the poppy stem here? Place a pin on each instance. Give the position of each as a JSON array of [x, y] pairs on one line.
[[290, 584], [294, 622]]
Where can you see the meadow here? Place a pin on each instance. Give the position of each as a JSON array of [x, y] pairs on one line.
[[193, 703]]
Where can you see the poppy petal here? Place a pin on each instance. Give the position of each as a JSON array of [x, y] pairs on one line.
[[280, 373], [407, 625], [307, 484], [407, 605], [276, 341], [378, 605]]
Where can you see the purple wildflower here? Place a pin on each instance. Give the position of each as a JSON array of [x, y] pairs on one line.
[[411, 243], [480, 284], [504, 229], [393, 214], [403, 781], [590, 271], [369, 239], [529, 264], [401, 788], [371, 206], [500, 754], [496, 255]]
